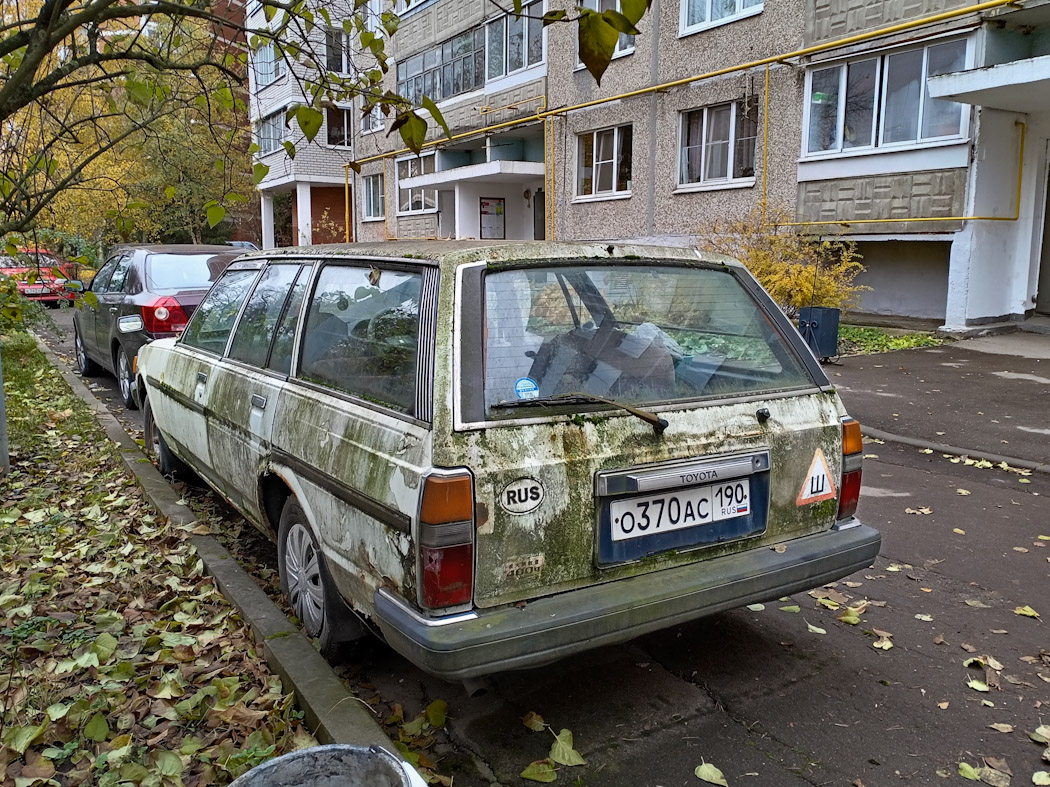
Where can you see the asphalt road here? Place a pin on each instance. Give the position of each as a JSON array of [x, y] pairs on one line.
[[778, 697]]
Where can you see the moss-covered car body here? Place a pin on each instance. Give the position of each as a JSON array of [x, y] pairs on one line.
[[509, 453]]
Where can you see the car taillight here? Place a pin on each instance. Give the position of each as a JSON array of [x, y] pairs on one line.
[[446, 540], [164, 315], [852, 458]]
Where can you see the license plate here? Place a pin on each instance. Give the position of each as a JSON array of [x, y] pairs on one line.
[[37, 290], [645, 516]]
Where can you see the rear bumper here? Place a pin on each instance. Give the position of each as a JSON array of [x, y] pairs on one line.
[[496, 640]]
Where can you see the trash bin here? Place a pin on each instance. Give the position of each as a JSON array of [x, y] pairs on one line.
[[334, 765], [819, 326]]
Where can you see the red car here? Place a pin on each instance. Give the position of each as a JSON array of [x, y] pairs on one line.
[[34, 270]]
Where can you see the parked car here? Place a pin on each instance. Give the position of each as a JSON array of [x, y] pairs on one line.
[[40, 275], [141, 293], [504, 454]]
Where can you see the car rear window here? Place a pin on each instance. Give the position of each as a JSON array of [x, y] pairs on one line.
[[174, 272], [636, 333]]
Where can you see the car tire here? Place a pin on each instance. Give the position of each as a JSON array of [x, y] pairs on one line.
[[167, 462], [125, 379], [85, 365], [316, 603]]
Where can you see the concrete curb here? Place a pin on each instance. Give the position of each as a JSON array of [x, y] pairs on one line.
[[333, 714], [944, 448]]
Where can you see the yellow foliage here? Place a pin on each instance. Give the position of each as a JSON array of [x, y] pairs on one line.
[[796, 270]]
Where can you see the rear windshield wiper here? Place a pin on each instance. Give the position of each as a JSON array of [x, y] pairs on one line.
[[656, 422]]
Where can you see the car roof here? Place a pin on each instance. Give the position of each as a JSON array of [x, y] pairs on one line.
[[461, 252], [178, 248]]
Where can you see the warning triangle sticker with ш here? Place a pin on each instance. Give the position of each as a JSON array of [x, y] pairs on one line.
[[818, 485]]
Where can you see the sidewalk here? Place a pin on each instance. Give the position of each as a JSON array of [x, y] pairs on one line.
[[987, 397]]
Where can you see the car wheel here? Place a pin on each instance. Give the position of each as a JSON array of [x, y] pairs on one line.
[[85, 365], [125, 380], [167, 462], [304, 580]]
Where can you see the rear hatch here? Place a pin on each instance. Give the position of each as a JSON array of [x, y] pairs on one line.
[[578, 490], [185, 276]]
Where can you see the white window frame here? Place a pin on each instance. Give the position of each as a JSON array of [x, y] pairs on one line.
[[348, 133], [742, 12], [614, 192], [373, 17], [879, 116], [274, 121], [268, 67], [371, 121], [397, 176], [373, 209], [346, 67], [534, 8], [729, 180], [622, 48]]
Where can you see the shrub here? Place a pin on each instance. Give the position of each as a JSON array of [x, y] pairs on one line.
[[797, 270]]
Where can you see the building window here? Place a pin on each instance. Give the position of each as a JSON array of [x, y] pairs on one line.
[[882, 101], [371, 118], [453, 67], [373, 13], [401, 6], [701, 14], [375, 197], [516, 42], [417, 200], [625, 44], [604, 163], [339, 128], [718, 144], [337, 51], [269, 66], [269, 132]]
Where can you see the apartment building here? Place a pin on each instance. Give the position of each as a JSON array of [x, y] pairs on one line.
[[898, 124]]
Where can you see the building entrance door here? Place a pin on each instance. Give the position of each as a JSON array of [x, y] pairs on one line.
[[1042, 298], [539, 215]]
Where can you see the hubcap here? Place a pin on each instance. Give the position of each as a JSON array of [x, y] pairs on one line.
[[303, 570], [123, 374]]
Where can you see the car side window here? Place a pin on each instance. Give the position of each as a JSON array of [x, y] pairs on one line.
[[209, 327], [101, 281], [362, 334], [251, 342], [120, 274], [284, 339]]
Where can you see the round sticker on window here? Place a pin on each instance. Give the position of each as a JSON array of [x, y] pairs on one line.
[[526, 388]]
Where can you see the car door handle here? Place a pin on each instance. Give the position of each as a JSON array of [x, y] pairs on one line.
[[202, 377], [258, 401]]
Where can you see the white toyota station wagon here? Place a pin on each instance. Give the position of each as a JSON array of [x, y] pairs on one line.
[[500, 455]]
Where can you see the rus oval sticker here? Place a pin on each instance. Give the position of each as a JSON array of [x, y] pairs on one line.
[[521, 496]]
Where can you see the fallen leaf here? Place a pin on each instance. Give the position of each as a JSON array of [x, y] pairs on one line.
[[1020, 549], [959, 530], [972, 602], [998, 764], [926, 451], [968, 648], [533, 721], [790, 608], [988, 703], [756, 607], [977, 685], [967, 771], [1041, 778], [1000, 727], [923, 617], [539, 771], [562, 751], [939, 640], [943, 705], [853, 584], [815, 629], [849, 615], [961, 491], [993, 777], [1041, 734], [780, 549], [921, 511], [1027, 611], [710, 774], [436, 713]]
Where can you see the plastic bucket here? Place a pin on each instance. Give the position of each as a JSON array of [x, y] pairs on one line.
[[335, 765]]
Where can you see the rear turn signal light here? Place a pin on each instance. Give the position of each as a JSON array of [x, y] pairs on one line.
[[852, 458], [446, 541], [164, 315]]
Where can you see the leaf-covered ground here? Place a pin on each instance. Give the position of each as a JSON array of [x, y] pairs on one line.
[[120, 662]]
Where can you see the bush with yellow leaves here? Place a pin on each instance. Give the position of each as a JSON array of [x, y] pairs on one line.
[[797, 270]]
